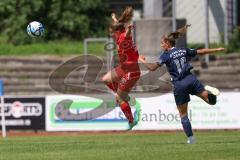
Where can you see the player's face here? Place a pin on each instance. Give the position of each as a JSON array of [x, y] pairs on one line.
[[164, 45]]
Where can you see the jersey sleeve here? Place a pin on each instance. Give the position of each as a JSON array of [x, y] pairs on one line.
[[162, 59], [191, 53]]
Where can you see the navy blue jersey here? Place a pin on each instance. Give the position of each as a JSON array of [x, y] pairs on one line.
[[177, 62]]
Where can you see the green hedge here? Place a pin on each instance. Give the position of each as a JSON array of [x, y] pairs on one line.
[[234, 42], [52, 48]]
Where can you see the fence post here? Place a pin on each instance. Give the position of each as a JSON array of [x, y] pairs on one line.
[[174, 11], [206, 29], [2, 109]]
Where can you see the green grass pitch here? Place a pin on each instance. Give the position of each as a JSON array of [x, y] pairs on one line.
[[214, 145]]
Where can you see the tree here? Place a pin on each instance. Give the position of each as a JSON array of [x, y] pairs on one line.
[[63, 19]]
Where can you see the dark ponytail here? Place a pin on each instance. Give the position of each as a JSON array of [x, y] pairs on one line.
[[114, 27], [126, 15], [172, 37]]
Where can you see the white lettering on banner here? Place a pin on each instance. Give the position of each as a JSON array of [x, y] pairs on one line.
[[18, 109], [18, 122]]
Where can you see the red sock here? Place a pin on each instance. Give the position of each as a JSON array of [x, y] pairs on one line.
[[127, 111], [113, 86]]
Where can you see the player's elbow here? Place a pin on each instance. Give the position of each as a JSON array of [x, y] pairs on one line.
[[201, 52]]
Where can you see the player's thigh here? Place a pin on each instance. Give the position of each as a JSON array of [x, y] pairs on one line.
[[183, 108], [181, 93], [110, 76], [197, 88]]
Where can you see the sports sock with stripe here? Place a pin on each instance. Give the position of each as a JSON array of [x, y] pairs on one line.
[[127, 111]]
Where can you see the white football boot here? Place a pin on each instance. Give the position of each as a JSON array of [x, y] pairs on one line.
[[212, 90], [191, 140]]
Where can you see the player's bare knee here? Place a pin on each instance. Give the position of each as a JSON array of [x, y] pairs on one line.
[[182, 109], [121, 96], [182, 114], [105, 79], [204, 94]]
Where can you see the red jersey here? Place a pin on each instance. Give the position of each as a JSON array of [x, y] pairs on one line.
[[127, 51], [128, 70]]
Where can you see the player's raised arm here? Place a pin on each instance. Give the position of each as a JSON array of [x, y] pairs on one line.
[[209, 51], [129, 31], [150, 66], [114, 17]]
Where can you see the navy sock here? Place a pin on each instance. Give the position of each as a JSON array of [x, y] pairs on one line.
[[187, 126], [212, 99]]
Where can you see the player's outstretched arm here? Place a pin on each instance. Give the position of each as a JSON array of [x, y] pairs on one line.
[[150, 66], [209, 51]]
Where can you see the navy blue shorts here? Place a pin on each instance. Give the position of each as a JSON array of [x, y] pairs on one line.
[[188, 85]]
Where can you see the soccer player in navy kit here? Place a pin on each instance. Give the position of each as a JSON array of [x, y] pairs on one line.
[[184, 82]]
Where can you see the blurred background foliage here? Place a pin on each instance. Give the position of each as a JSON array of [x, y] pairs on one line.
[[63, 19], [67, 23]]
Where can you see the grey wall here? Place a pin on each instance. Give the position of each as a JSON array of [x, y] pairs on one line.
[[150, 31], [148, 36], [152, 8]]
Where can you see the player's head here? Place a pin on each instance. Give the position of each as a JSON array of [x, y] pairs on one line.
[[116, 27], [120, 25], [126, 15], [169, 41]]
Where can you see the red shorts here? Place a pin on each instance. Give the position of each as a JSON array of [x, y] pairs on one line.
[[127, 77]]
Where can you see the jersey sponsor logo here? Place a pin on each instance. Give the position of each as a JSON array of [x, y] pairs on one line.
[[123, 80]]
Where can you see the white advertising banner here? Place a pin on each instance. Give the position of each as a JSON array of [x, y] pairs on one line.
[[160, 113], [157, 113], [112, 119]]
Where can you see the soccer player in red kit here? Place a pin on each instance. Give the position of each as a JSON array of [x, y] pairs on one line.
[[122, 78]]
